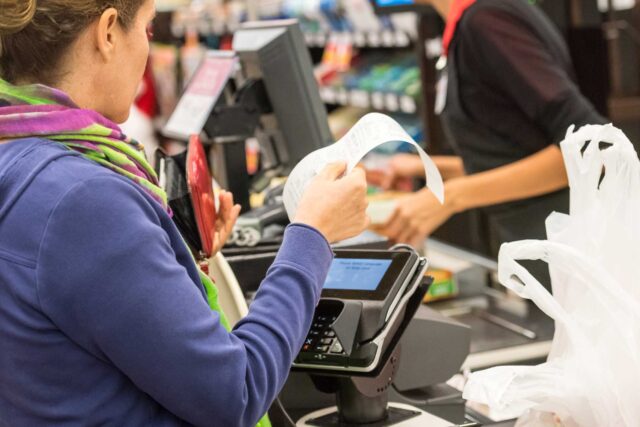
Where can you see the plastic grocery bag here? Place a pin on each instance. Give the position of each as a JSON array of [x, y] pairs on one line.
[[592, 375]]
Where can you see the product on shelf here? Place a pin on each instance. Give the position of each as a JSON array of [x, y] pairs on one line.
[[444, 285], [367, 59], [377, 81]]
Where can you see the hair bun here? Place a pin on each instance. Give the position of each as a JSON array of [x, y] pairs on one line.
[[15, 15]]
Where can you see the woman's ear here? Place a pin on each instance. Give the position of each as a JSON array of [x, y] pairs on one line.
[[105, 33]]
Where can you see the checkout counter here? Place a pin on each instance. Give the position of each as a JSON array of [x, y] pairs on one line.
[[481, 327], [505, 329], [375, 355]]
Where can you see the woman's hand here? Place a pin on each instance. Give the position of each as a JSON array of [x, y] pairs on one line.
[[415, 217], [226, 219], [335, 204]]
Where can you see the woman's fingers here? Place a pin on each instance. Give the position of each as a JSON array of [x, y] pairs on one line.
[[334, 171], [228, 214], [226, 203], [235, 213]]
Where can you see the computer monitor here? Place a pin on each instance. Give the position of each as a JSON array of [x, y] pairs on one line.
[[275, 52]]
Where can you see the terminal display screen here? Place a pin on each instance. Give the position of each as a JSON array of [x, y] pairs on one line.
[[366, 274], [356, 274]]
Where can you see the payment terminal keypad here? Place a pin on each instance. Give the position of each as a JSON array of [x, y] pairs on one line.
[[321, 337], [321, 344]]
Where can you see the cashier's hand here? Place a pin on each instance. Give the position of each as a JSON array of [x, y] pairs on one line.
[[415, 217], [335, 204], [226, 219], [398, 174]]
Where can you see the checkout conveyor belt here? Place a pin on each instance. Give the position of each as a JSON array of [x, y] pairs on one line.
[[499, 336], [505, 329]]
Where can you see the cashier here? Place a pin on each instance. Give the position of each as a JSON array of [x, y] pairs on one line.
[[507, 96], [105, 318]]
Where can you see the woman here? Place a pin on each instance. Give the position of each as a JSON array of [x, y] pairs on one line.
[[104, 317], [510, 97]]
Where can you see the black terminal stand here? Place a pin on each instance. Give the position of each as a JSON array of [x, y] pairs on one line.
[[230, 124], [363, 400]]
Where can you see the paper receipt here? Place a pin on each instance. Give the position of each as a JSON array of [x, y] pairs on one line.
[[372, 130]]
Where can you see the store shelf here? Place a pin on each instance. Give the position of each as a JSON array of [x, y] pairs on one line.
[[389, 102], [371, 39], [171, 5]]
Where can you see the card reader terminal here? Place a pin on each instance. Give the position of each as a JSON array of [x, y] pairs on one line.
[[360, 309]]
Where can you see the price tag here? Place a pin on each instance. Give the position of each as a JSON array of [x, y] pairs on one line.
[[391, 102], [388, 39], [374, 39], [377, 100], [360, 98], [359, 39], [342, 96], [408, 104], [328, 95], [402, 39]]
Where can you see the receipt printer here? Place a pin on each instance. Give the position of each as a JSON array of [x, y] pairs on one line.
[[363, 304]]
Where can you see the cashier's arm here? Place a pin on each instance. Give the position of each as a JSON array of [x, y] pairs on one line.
[[538, 174], [419, 214]]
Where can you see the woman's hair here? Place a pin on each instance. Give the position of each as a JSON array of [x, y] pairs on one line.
[[35, 34]]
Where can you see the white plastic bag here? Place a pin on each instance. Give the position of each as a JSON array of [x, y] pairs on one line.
[[592, 375]]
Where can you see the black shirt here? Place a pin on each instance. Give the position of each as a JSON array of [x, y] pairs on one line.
[[511, 93], [514, 83]]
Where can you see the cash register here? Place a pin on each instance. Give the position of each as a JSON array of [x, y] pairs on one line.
[[368, 302]]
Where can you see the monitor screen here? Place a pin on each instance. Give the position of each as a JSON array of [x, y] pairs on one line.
[[356, 274]]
